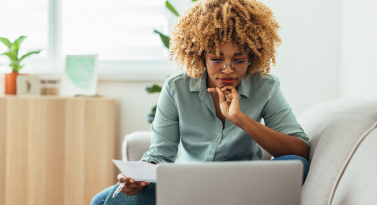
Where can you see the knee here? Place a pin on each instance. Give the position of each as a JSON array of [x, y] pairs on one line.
[[97, 200], [293, 157], [100, 198]]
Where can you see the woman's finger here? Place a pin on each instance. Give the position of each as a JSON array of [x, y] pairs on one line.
[[221, 95], [130, 185], [126, 180], [212, 90]]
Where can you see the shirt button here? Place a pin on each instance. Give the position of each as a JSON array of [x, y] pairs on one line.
[[211, 152]]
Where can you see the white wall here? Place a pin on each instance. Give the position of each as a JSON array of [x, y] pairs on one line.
[[307, 63], [359, 49], [308, 58]]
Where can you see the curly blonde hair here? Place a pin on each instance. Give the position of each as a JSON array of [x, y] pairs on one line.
[[249, 24]]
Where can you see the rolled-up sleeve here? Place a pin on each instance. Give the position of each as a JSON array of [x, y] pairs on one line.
[[278, 116], [165, 129]]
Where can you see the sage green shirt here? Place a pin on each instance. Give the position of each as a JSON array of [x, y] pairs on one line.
[[186, 123]]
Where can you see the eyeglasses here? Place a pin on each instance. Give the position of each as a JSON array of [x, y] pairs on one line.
[[236, 66]]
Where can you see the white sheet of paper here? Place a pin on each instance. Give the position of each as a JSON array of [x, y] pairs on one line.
[[138, 170]]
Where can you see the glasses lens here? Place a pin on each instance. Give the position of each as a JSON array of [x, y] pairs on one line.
[[237, 66], [240, 65], [217, 65]]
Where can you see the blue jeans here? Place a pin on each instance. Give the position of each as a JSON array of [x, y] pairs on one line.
[[147, 196]]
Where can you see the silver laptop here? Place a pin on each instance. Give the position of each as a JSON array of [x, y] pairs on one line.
[[243, 182]]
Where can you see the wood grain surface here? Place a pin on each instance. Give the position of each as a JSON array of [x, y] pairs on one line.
[[56, 150]]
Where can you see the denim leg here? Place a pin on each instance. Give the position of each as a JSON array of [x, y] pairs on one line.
[[147, 196], [295, 157], [100, 198]]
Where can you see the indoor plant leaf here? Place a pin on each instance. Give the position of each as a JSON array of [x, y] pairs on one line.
[[11, 55], [28, 54], [15, 66], [194, 0], [164, 39], [6, 42], [17, 42], [153, 89], [171, 8]]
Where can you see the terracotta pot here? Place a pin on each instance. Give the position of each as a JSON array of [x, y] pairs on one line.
[[11, 83]]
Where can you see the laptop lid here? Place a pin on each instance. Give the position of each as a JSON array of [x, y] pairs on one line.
[[242, 182]]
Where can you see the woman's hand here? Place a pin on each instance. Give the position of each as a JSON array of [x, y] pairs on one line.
[[229, 102], [131, 187]]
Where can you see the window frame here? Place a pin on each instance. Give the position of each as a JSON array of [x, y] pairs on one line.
[[53, 65]]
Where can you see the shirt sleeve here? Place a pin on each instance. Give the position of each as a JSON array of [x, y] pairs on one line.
[[278, 116], [165, 129]]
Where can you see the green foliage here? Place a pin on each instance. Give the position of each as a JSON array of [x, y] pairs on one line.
[[153, 89], [171, 8], [150, 116], [164, 39], [15, 61]]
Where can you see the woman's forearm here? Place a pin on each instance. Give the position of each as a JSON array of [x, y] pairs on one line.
[[275, 143]]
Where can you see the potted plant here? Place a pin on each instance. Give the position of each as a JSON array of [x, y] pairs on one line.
[[15, 62]]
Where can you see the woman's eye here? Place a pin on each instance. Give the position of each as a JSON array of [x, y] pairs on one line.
[[239, 62], [216, 60]]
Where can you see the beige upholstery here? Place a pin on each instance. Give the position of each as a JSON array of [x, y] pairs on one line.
[[333, 128], [135, 144], [358, 183]]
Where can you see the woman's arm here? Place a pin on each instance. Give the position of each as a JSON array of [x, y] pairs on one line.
[[274, 142], [165, 128]]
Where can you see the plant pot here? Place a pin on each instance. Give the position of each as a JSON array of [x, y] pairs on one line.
[[11, 83]]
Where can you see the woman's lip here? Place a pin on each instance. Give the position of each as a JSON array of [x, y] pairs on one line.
[[227, 80]]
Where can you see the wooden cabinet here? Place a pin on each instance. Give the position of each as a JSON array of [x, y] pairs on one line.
[[56, 150]]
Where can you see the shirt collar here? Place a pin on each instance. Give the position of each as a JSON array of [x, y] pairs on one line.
[[197, 85]]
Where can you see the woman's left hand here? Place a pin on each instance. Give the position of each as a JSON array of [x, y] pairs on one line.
[[229, 102]]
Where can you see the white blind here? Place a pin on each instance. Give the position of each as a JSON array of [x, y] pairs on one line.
[[24, 18], [115, 30]]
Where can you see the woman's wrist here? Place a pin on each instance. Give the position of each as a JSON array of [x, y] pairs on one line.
[[238, 119]]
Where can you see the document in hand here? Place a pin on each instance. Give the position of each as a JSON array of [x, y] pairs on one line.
[[138, 170]]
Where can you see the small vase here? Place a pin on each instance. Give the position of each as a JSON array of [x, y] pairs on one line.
[[11, 83]]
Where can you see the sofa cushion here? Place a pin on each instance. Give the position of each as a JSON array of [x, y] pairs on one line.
[[357, 181], [333, 127]]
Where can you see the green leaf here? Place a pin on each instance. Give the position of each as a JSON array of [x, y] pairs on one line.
[[194, 0], [6, 42], [11, 56], [28, 54], [164, 39], [153, 89], [152, 114], [18, 41], [171, 8], [15, 66]]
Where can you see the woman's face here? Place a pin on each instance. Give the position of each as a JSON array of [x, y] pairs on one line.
[[228, 54]]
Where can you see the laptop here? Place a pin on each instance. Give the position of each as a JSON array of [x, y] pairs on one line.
[[241, 182]]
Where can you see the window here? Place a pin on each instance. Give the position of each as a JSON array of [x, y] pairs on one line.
[[120, 32], [28, 18]]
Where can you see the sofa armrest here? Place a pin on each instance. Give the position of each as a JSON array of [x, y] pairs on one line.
[[137, 143]]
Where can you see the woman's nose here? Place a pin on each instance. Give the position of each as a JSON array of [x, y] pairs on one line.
[[228, 69]]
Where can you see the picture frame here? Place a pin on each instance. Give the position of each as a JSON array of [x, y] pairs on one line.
[[80, 75]]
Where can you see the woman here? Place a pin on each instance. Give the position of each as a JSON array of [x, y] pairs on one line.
[[212, 110]]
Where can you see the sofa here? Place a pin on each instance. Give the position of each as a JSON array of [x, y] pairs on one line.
[[343, 154]]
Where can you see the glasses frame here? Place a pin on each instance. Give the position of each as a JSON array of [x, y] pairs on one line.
[[231, 67]]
